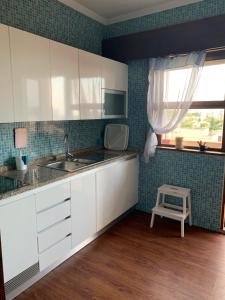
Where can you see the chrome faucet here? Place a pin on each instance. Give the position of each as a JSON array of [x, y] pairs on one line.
[[67, 148]]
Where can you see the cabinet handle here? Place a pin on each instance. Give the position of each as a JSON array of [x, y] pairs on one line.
[[67, 199]]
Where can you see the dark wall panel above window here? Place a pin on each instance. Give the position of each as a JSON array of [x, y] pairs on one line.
[[178, 39]]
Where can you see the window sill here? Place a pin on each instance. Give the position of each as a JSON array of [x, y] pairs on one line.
[[187, 150]]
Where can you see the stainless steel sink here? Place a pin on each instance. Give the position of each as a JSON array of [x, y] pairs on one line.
[[78, 162], [84, 161], [67, 166]]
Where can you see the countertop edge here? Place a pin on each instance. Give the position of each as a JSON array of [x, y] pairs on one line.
[[66, 176]]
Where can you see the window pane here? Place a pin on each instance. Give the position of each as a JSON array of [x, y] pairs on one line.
[[176, 83], [211, 85], [199, 124]]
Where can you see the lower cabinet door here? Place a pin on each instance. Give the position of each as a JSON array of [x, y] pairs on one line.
[[19, 236], [54, 234], [52, 216], [56, 252], [117, 190], [83, 208]]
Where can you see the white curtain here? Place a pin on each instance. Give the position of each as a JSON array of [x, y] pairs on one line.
[[172, 83]]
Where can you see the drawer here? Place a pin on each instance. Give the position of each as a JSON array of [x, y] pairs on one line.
[[53, 215], [54, 253], [54, 234], [52, 196]]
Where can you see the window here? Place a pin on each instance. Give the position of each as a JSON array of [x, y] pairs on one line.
[[205, 119]]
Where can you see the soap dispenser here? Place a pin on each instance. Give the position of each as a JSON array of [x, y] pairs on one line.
[[20, 163]]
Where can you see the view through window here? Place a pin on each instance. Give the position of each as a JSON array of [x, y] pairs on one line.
[[204, 121]]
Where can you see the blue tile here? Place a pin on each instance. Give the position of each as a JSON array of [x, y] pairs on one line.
[[202, 173], [46, 138], [54, 20], [191, 12]]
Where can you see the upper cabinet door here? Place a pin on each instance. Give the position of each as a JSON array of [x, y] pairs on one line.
[[6, 98], [31, 76], [114, 75], [90, 85], [65, 82]]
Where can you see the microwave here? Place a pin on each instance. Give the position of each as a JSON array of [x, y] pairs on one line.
[[114, 104]]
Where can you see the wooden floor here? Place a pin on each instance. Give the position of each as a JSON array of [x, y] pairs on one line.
[[131, 262]]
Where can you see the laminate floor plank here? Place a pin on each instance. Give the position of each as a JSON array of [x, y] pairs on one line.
[[133, 262]]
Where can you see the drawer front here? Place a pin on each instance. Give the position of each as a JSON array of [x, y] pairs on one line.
[[52, 196], [53, 215], [54, 234], [54, 253]]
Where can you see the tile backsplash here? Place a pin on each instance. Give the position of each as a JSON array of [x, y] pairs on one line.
[[46, 138]]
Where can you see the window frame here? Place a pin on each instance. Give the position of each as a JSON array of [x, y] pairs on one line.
[[215, 104]]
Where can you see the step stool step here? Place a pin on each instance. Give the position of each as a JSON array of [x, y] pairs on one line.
[[170, 213], [173, 190]]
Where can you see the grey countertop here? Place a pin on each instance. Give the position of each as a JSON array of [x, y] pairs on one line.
[[37, 176]]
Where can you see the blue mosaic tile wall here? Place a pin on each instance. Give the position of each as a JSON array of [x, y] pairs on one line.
[[191, 12], [202, 173], [51, 19], [46, 138]]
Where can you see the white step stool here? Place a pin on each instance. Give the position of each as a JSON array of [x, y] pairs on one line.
[[175, 212]]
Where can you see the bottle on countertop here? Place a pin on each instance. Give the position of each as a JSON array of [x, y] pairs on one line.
[[21, 162]]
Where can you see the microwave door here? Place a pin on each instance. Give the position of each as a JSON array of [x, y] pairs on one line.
[[114, 104]]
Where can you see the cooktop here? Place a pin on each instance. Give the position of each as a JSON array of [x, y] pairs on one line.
[[98, 156], [9, 184]]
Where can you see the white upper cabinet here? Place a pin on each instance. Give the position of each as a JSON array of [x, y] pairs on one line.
[[18, 236], [65, 82], [6, 98], [90, 85], [114, 75], [31, 76], [43, 80]]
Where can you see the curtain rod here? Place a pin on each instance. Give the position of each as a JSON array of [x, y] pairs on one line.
[[215, 49], [209, 50]]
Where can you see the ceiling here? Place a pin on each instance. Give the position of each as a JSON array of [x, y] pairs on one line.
[[112, 11]]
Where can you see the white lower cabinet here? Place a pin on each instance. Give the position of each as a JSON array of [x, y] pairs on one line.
[[117, 190], [53, 207], [18, 236], [53, 215], [54, 234], [47, 226], [54, 253], [52, 196], [83, 208]]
